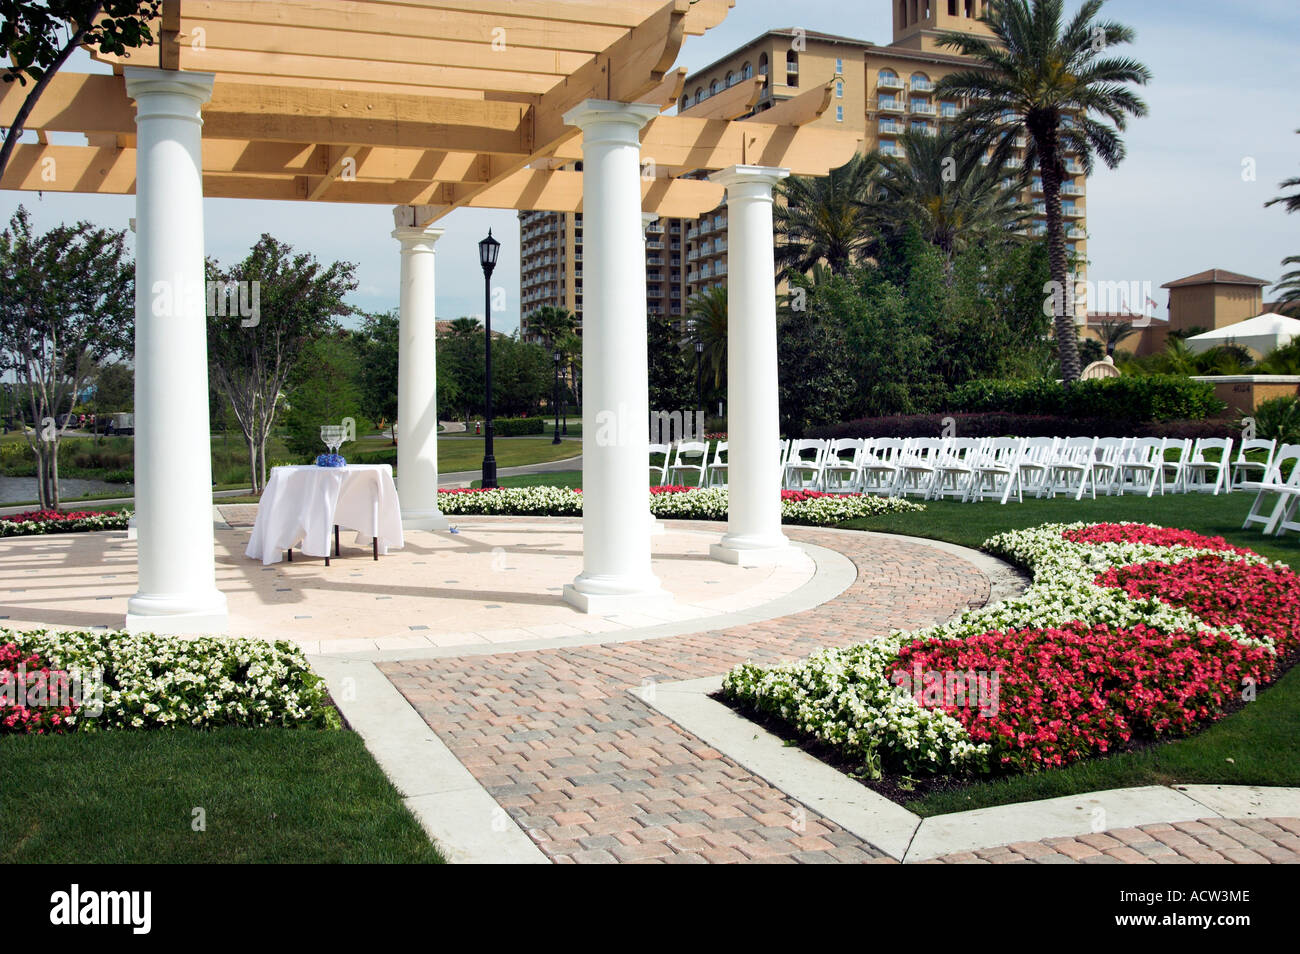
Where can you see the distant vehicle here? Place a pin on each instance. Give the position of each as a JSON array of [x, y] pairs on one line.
[[121, 423], [66, 420]]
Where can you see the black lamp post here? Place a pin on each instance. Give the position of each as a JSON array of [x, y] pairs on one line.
[[557, 356], [487, 257], [699, 380]]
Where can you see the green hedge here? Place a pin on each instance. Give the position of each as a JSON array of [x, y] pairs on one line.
[[518, 426], [1135, 399]]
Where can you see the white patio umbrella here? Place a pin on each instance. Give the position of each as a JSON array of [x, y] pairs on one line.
[[1261, 334]]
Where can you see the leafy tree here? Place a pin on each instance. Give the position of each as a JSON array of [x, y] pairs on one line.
[[36, 39], [671, 367], [325, 386], [824, 218], [947, 192], [1051, 79], [114, 388], [251, 361], [379, 342], [67, 302]]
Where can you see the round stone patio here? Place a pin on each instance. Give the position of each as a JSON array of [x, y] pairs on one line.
[[497, 580]]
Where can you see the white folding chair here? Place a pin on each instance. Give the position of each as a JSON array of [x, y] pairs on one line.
[[1035, 459], [916, 465], [1106, 456], [716, 475], [659, 472], [954, 467], [1244, 466], [803, 468], [995, 472], [1282, 481], [878, 469], [1173, 475], [1069, 470], [1142, 467], [841, 464], [690, 458], [1206, 474]]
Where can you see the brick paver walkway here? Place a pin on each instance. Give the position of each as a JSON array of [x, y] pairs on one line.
[[594, 774], [1208, 841], [564, 744]]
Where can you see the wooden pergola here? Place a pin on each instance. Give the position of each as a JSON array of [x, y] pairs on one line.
[[431, 106], [437, 104]]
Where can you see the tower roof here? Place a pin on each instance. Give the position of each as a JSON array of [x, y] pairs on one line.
[[1215, 276]]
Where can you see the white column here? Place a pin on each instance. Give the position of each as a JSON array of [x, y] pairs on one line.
[[753, 534], [656, 526], [417, 382], [173, 455], [616, 575]]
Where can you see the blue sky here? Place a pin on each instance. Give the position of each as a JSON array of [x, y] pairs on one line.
[[1226, 78]]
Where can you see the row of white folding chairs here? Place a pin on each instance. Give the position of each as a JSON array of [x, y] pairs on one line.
[[1279, 485], [687, 463], [980, 468]]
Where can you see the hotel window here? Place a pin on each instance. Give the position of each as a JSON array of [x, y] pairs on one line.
[[839, 66], [948, 110], [747, 71], [839, 114], [731, 79], [839, 89]]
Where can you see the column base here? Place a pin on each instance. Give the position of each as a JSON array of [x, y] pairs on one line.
[[131, 532], [606, 601], [186, 613], [424, 520], [753, 553], [656, 526]]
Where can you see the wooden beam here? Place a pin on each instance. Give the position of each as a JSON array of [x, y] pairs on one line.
[[731, 103], [399, 18], [799, 110], [627, 71], [669, 90]]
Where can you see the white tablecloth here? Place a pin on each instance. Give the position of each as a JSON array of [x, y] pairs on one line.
[[301, 505]]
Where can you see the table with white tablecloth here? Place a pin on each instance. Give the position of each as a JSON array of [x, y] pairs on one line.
[[302, 507]]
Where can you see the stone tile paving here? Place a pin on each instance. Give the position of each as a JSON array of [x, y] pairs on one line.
[[593, 774]]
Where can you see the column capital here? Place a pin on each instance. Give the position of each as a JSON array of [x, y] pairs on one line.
[[418, 238], [153, 91], [752, 181], [610, 121]]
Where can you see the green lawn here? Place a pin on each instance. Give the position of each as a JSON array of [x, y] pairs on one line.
[[466, 453], [555, 478], [268, 795]]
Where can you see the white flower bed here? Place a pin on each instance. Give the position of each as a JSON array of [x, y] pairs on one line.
[[154, 681], [707, 503], [92, 521], [844, 698]]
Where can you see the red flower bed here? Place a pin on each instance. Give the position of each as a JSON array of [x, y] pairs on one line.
[[1066, 694], [55, 516], [1141, 533], [26, 679], [798, 496], [1263, 600]]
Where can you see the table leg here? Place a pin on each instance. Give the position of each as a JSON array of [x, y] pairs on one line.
[[336, 539], [375, 544], [289, 554]]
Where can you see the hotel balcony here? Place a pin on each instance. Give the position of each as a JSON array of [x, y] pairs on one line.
[[892, 106], [921, 86], [923, 109], [1069, 188], [889, 128], [889, 82], [1071, 211], [1076, 233]]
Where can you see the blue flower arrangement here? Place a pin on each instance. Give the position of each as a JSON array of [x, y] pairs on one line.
[[331, 460]]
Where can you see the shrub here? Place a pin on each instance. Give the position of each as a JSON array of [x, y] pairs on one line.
[[1279, 418], [518, 426], [35, 522], [1133, 399]]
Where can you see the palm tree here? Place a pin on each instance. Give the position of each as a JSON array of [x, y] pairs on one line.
[[1292, 201], [706, 313], [1050, 79], [464, 327], [947, 192], [823, 219], [1115, 330], [1289, 287], [552, 323]]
